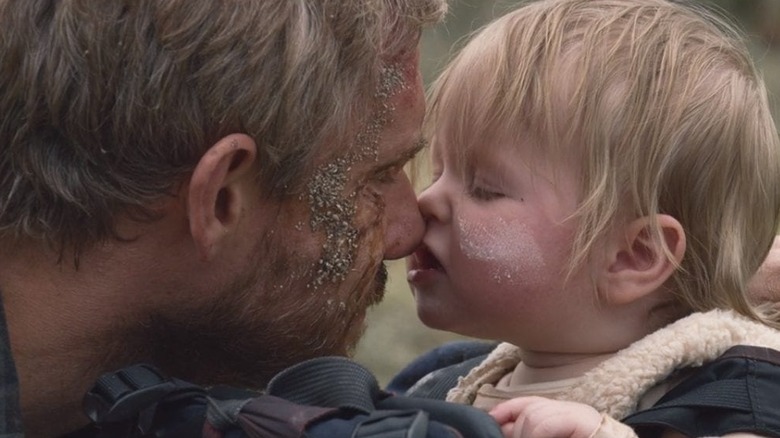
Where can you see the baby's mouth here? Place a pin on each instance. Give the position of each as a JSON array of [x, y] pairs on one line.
[[423, 260]]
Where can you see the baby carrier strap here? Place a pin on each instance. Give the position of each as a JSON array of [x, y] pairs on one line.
[[139, 400], [323, 397], [331, 382], [435, 372], [335, 381], [738, 392]]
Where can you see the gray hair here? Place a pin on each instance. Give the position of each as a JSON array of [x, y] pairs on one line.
[[107, 105]]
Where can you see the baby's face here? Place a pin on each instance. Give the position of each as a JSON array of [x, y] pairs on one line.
[[497, 244]]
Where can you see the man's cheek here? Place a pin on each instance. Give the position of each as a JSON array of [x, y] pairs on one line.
[[370, 219]]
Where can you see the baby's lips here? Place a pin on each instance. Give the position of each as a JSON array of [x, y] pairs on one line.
[[423, 259], [424, 268]]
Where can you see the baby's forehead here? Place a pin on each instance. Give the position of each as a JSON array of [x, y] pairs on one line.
[[477, 119], [477, 125], [501, 151]]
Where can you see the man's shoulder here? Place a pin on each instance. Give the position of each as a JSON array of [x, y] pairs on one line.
[[322, 397]]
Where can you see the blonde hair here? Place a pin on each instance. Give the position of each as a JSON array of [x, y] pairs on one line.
[[107, 105], [662, 106]]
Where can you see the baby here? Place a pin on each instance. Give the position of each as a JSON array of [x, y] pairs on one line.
[[606, 179]]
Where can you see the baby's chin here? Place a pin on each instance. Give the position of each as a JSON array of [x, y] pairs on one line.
[[431, 314]]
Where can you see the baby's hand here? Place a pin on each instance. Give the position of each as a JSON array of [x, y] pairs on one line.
[[541, 417]]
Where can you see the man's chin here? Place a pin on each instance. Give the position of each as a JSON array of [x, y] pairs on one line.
[[379, 287]]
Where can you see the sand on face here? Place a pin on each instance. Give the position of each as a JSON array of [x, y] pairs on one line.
[[508, 245]]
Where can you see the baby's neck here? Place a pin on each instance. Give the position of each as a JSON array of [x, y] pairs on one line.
[[539, 367]]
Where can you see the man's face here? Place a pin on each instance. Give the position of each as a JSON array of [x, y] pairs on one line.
[[318, 265]]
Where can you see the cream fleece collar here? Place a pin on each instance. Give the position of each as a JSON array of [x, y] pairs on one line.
[[615, 386]]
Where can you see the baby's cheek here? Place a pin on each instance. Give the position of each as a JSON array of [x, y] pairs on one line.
[[506, 250]]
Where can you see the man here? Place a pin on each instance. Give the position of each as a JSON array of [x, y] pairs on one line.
[[210, 187]]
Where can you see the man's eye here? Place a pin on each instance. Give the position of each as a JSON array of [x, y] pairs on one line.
[[387, 176]]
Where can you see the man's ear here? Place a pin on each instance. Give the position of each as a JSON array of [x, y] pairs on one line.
[[636, 264], [217, 191]]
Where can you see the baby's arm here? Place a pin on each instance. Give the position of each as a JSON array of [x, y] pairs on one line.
[[528, 417]]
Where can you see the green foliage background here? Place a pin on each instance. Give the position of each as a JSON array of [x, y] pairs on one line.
[[394, 335]]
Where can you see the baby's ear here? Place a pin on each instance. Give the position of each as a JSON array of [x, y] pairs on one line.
[[636, 264]]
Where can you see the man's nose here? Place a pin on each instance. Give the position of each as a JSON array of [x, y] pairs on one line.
[[405, 226]]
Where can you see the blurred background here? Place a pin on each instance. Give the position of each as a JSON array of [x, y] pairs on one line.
[[394, 335]]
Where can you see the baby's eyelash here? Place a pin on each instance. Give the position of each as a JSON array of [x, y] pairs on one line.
[[485, 194]]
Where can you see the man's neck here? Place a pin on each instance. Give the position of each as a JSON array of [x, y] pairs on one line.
[[62, 332]]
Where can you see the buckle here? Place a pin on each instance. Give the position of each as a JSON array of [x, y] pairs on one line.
[[123, 394]]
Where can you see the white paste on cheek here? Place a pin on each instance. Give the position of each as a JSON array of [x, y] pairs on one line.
[[509, 247]]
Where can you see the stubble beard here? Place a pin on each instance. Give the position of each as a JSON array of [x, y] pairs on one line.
[[253, 329]]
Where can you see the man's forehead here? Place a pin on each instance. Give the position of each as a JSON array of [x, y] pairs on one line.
[[394, 127]]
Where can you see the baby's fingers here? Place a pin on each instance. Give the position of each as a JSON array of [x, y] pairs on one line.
[[508, 429], [511, 409], [532, 417]]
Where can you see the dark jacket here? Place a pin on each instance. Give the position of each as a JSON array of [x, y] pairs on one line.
[[10, 413], [728, 370]]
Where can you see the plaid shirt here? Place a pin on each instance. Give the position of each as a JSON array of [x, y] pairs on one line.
[[10, 414]]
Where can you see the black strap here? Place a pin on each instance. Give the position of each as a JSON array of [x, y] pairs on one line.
[[342, 383], [322, 397], [470, 422], [391, 424], [738, 392], [333, 382], [125, 403]]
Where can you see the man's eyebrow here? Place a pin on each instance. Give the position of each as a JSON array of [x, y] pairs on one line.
[[407, 155]]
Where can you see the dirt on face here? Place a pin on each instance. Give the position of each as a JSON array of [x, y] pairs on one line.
[[332, 209]]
